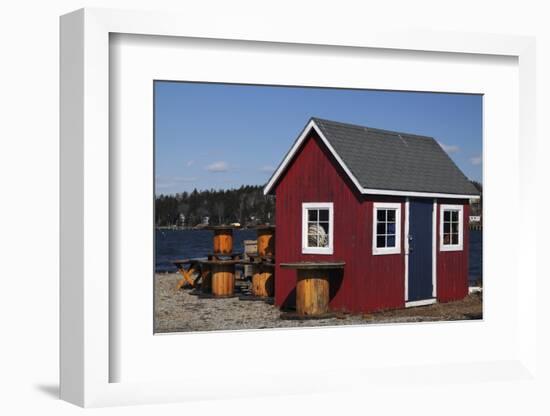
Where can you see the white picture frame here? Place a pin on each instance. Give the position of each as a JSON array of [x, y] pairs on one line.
[[87, 356]]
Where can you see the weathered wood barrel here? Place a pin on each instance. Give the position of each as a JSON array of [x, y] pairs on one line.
[[266, 240], [263, 280], [223, 241], [222, 277], [313, 286]]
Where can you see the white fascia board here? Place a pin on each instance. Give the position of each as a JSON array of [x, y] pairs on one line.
[[289, 156], [312, 125], [417, 194]]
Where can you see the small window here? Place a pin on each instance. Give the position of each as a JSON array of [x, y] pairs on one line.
[[317, 228], [451, 228], [386, 228]]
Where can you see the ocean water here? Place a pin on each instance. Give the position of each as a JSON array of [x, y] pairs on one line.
[[184, 244], [476, 257], [180, 244]]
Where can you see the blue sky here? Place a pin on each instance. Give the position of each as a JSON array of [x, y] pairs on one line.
[[223, 136]]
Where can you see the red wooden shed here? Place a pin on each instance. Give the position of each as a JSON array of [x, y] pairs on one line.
[[392, 205]]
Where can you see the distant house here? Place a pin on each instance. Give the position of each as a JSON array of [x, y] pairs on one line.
[[181, 219], [391, 205]]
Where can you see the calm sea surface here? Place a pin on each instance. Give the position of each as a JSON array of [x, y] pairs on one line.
[[180, 244], [184, 244]]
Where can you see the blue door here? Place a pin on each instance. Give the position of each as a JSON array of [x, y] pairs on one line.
[[420, 249]]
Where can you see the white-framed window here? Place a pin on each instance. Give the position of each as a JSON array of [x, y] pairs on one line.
[[317, 227], [386, 228], [451, 231]]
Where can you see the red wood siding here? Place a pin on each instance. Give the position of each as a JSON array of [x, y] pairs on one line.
[[452, 266], [368, 282]]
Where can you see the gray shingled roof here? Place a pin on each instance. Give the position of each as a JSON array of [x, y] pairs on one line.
[[388, 160]]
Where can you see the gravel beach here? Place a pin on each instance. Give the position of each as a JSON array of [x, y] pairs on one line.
[[179, 311]]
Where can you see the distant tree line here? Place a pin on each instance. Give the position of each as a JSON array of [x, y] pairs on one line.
[[246, 205]]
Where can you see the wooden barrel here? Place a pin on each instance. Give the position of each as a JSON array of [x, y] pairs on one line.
[[223, 279], [263, 281], [223, 241], [312, 292], [206, 279], [266, 242]]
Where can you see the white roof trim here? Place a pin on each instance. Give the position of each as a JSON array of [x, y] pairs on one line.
[[303, 135]]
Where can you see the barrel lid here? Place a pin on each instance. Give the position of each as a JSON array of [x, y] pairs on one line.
[[186, 261], [220, 262], [314, 265], [264, 227], [222, 227]]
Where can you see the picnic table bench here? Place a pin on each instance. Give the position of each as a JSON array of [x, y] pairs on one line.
[[194, 268]]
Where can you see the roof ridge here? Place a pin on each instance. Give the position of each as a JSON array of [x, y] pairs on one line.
[[398, 164], [374, 129]]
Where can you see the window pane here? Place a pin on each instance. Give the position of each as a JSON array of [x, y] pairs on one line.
[[454, 215], [391, 241], [446, 227], [391, 228], [454, 228], [380, 241], [312, 235], [380, 228], [318, 235], [454, 238], [391, 215], [446, 215], [323, 215], [446, 239], [312, 215], [381, 215]]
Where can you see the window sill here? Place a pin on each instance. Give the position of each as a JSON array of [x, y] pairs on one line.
[[325, 251], [385, 252], [451, 248]]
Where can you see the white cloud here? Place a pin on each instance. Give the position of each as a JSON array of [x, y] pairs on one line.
[[218, 167], [449, 148], [174, 181], [476, 160], [189, 163], [267, 168]]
